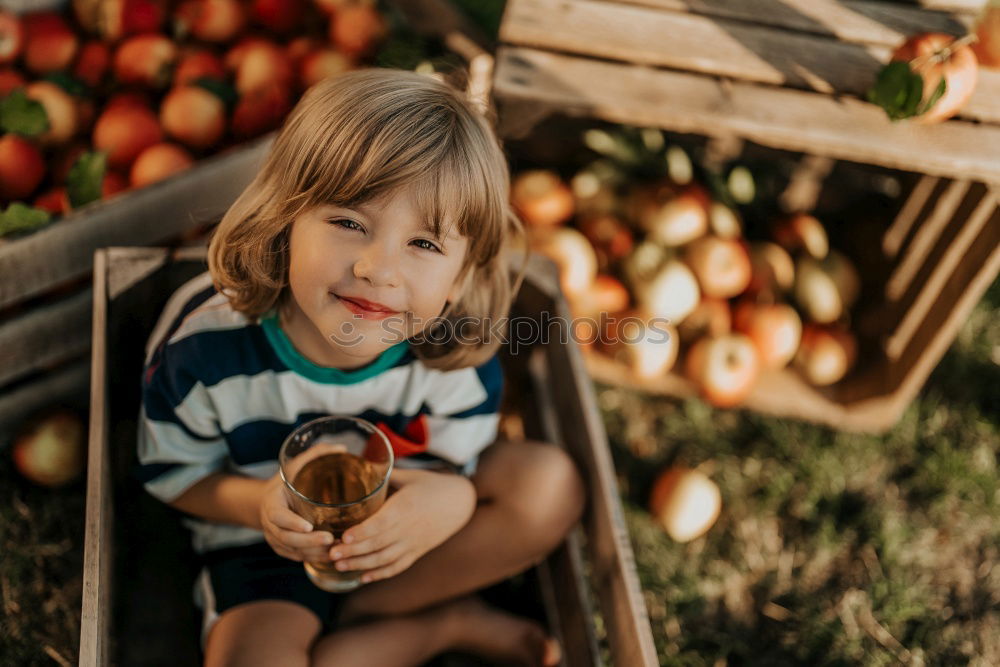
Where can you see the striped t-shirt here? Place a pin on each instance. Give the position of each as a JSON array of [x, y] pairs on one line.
[[221, 392]]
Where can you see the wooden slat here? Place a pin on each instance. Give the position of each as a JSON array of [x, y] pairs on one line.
[[883, 23], [794, 120], [65, 249], [575, 608], [709, 45], [924, 239], [901, 225], [612, 562], [98, 538], [932, 277], [65, 385], [44, 337]]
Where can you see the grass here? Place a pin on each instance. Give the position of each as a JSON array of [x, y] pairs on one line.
[[832, 548]]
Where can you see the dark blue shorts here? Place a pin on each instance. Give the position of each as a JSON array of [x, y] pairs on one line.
[[254, 572]]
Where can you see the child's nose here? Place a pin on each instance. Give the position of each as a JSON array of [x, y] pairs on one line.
[[377, 265]]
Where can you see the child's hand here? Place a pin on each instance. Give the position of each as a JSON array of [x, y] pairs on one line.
[[426, 509], [288, 533]]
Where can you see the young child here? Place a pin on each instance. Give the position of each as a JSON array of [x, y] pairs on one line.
[[378, 219]]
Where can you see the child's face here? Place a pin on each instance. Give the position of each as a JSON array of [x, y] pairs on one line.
[[366, 278]]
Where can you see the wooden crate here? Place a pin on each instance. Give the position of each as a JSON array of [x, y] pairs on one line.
[[138, 570], [787, 75]]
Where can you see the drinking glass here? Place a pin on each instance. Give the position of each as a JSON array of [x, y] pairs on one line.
[[335, 471]]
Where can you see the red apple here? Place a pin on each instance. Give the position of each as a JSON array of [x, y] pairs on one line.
[[772, 269], [724, 368], [320, 64], [722, 266], [357, 29], [9, 80], [21, 167], [541, 198], [648, 348], [278, 15], [298, 47], [934, 56], [803, 231], [51, 452], [92, 63], [193, 116], [825, 354], [158, 162], [260, 110], [826, 289], [711, 318], [775, 330], [609, 236], [145, 60], [262, 64], [60, 108], [50, 43], [681, 219], [124, 131], [987, 48], [685, 502], [196, 64], [54, 200], [573, 255], [113, 184], [128, 98], [113, 19], [606, 294], [210, 20], [11, 37], [672, 293]]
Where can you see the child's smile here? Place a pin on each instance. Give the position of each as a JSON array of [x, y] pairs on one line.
[[365, 278]]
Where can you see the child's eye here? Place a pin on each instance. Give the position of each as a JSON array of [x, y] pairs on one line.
[[346, 224], [424, 244]]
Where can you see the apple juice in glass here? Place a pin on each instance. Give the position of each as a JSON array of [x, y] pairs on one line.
[[336, 472]]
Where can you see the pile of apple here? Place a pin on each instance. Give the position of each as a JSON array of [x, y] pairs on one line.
[[657, 271], [118, 94]]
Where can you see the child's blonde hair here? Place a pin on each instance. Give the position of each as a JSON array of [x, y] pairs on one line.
[[357, 137]]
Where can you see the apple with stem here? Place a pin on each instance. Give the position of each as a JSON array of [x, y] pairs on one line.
[[725, 368]]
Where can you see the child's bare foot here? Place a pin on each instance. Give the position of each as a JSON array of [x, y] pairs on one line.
[[499, 636]]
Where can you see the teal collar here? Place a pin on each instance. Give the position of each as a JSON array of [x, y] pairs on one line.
[[295, 361]]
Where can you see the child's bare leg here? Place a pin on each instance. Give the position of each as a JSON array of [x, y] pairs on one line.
[[530, 495], [465, 625], [265, 633]]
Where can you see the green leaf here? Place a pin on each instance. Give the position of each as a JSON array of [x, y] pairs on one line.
[[22, 218], [22, 115], [69, 83], [86, 176], [935, 96], [220, 89], [898, 90]]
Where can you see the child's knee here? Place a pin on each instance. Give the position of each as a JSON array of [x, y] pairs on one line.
[[237, 639], [549, 492]]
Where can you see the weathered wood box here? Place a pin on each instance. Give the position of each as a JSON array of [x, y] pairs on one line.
[[138, 570], [789, 76]]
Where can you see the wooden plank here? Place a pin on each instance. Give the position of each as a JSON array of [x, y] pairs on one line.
[[45, 337], [787, 119], [612, 561], [67, 385], [65, 249], [924, 239], [714, 46], [883, 23], [932, 277], [98, 538], [901, 225]]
